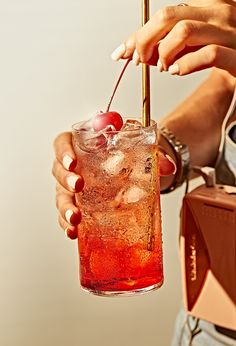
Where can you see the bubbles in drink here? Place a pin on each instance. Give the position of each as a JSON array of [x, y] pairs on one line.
[[108, 268]]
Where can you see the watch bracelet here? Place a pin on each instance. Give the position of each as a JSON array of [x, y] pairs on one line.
[[182, 159]]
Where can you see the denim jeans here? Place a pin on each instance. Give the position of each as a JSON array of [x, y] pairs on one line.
[[190, 331]]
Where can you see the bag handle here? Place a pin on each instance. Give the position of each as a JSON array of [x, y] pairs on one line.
[[229, 114]]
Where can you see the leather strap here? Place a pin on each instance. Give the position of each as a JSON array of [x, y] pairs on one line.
[[225, 331]]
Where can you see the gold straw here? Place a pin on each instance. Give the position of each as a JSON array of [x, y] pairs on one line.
[[146, 118]]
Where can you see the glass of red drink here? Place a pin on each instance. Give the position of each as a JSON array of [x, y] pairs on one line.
[[119, 237]]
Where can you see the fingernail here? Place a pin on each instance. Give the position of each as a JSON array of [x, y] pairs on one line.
[[71, 233], [118, 52], [75, 182], [159, 66], [67, 161], [135, 58], [174, 69], [68, 215], [72, 218], [169, 158], [72, 181]]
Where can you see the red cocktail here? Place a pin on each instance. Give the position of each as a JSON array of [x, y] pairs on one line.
[[120, 243]]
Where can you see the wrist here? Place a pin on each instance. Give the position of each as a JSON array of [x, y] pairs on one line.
[[179, 153]]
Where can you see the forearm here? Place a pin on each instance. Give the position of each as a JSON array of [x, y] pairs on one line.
[[197, 121]]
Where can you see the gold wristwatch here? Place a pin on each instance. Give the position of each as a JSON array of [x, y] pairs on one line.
[[182, 159]]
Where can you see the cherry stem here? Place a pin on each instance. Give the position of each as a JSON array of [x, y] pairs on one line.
[[117, 84]]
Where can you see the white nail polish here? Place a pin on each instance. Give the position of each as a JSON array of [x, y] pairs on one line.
[[66, 161], [72, 180], [135, 58], [174, 69], [68, 215], [118, 52], [160, 66]]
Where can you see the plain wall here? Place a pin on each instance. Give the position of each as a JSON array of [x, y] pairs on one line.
[[55, 69]]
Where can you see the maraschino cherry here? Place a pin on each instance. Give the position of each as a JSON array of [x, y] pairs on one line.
[[109, 121]]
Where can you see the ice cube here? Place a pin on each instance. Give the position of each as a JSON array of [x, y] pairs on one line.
[[113, 165], [132, 129], [137, 131], [112, 139], [134, 194], [131, 125], [130, 135], [150, 137], [90, 141]]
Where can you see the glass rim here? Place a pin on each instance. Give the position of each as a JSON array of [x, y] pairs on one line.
[[77, 127]]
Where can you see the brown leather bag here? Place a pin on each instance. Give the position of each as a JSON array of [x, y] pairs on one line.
[[208, 254]]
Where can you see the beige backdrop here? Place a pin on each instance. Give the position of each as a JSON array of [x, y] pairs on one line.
[[55, 69]]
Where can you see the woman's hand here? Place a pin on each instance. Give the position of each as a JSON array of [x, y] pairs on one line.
[[186, 38], [68, 182]]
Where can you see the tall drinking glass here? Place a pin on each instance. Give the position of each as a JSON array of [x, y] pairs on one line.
[[119, 238]]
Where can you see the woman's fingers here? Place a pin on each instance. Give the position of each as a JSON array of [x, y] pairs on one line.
[[66, 205], [71, 232], [69, 214], [167, 26], [126, 49], [208, 56], [69, 180], [67, 184], [187, 33], [144, 41], [64, 151]]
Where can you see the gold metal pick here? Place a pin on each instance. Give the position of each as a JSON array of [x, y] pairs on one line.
[[146, 116]]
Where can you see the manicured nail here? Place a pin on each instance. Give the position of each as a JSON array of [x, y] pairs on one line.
[[72, 218], [135, 58], [68, 215], [67, 161], [71, 233], [75, 182], [160, 66], [72, 180], [169, 158], [118, 52], [174, 69]]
